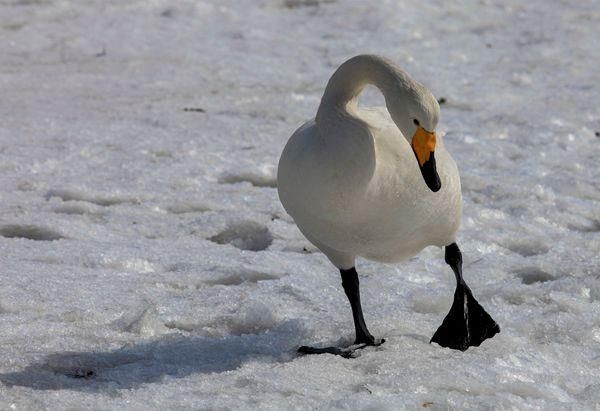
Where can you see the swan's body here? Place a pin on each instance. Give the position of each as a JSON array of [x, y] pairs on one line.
[[357, 190], [365, 182]]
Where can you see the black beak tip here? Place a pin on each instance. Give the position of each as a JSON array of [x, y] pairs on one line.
[[435, 185], [430, 175]]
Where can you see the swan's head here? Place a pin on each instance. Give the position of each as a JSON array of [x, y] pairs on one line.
[[416, 112]]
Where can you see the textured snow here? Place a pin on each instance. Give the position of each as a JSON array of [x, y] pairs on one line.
[[145, 260]]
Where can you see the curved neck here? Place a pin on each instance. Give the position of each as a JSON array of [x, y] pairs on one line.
[[351, 78]]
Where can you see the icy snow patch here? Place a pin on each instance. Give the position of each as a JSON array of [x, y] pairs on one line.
[[98, 199], [264, 177], [137, 309], [146, 324]]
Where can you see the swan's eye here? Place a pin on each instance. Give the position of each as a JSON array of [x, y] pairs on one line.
[[416, 122]]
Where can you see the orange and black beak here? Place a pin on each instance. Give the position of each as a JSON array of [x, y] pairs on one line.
[[423, 145]]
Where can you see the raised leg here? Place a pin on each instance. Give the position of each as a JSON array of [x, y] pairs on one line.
[[467, 324], [363, 336]]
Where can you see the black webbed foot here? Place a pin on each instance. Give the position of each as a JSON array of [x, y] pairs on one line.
[[363, 336], [369, 340], [467, 324], [351, 351]]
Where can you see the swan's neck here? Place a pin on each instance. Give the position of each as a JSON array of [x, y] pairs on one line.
[[351, 78]]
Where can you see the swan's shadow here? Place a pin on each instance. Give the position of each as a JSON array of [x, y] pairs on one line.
[[174, 356]]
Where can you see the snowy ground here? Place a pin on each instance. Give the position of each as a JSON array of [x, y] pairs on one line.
[[145, 260]]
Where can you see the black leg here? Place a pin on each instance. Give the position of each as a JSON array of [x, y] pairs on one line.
[[467, 324], [363, 336], [351, 287]]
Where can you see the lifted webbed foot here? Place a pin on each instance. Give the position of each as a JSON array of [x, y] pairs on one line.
[[467, 324]]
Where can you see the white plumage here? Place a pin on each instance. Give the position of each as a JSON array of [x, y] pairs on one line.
[[379, 184], [350, 179]]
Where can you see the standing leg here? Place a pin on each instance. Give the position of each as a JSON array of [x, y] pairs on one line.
[[363, 336], [467, 324], [351, 287]]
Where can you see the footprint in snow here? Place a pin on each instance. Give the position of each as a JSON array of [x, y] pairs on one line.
[[532, 275], [30, 232], [247, 235]]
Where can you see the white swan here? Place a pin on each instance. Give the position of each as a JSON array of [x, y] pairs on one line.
[[378, 184]]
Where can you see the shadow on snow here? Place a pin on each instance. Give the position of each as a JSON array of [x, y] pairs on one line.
[[147, 362]]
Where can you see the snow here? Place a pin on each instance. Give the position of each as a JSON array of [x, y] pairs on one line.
[[146, 262]]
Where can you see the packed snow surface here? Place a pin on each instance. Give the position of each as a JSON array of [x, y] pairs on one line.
[[146, 262]]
